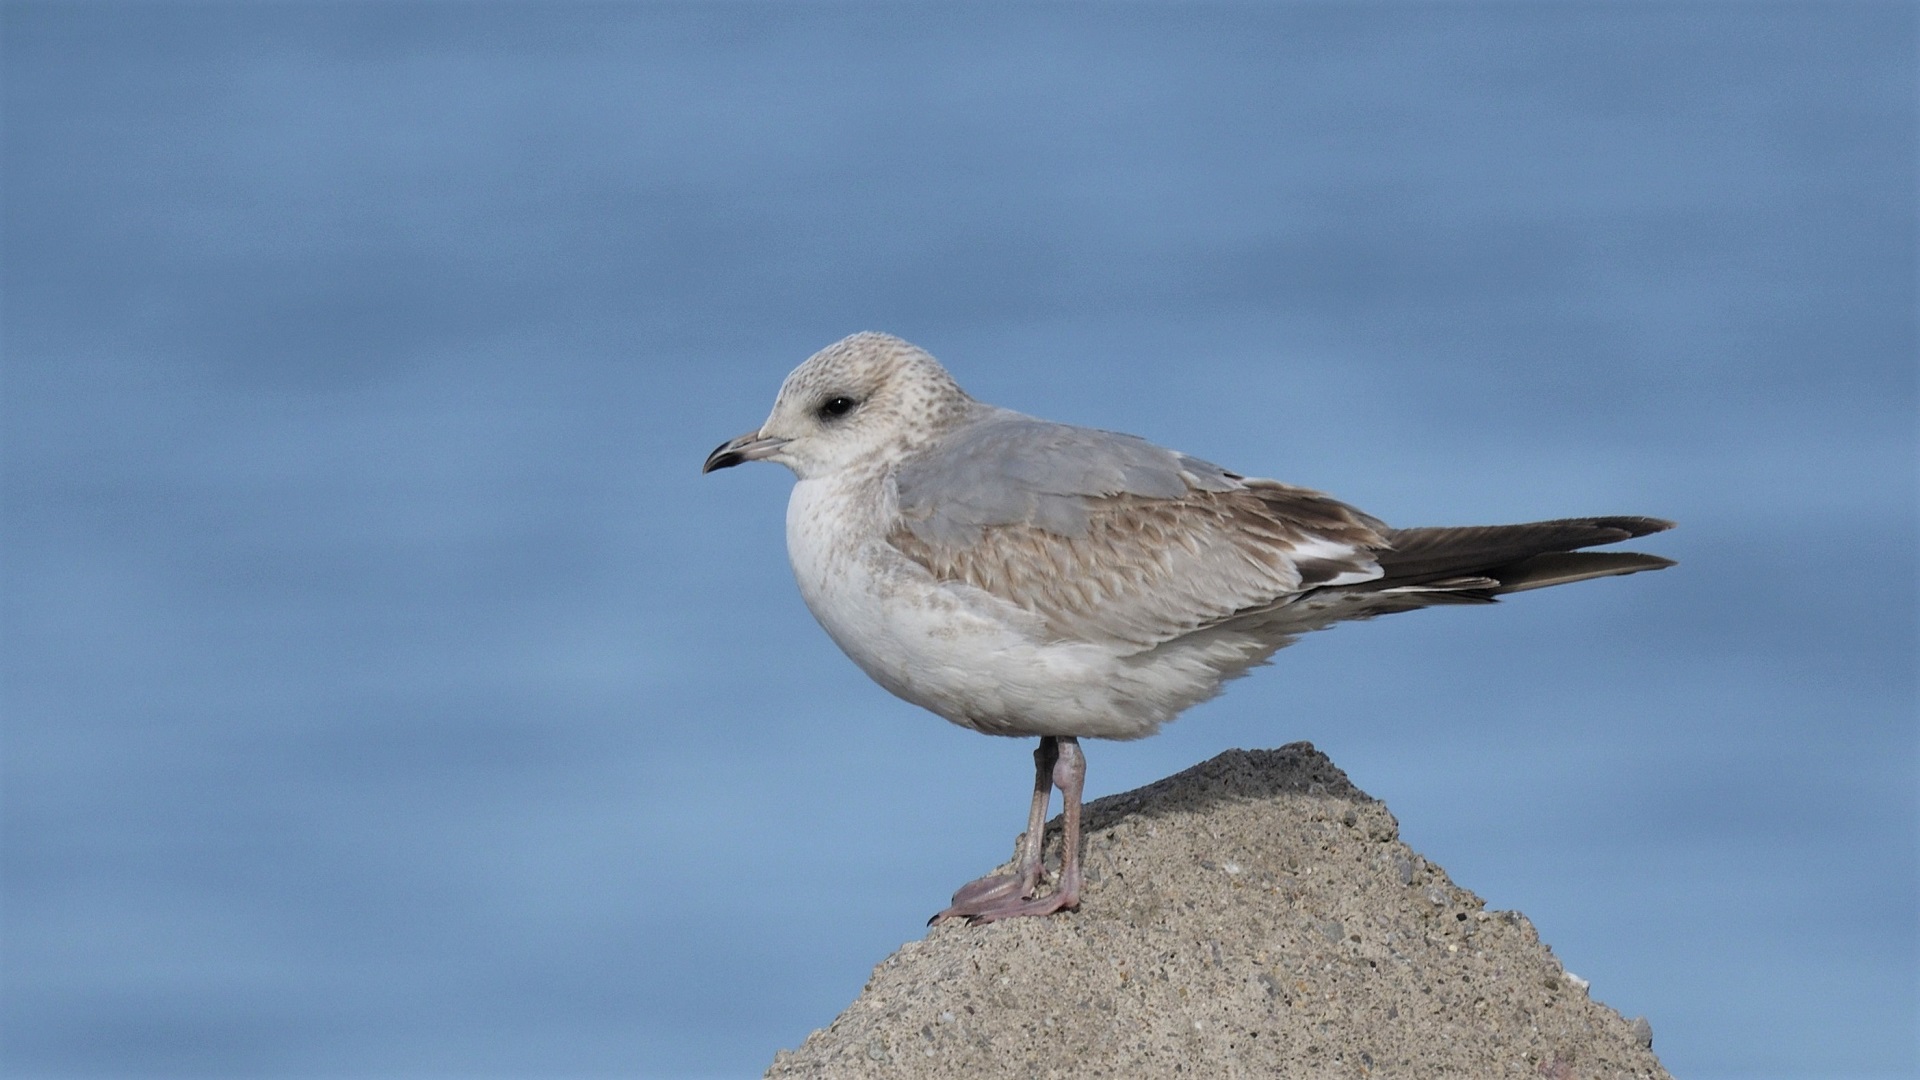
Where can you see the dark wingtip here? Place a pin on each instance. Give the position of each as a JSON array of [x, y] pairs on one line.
[[1561, 567], [1636, 526], [1626, 527]]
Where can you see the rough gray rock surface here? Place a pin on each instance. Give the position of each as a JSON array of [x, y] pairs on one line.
[[1253, 916]]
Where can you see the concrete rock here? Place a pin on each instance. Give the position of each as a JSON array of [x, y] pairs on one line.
[[1253, 916]]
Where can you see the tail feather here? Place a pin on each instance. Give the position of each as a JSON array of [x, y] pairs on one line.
[[1560, 567], [1513, 557], [1467, 565]]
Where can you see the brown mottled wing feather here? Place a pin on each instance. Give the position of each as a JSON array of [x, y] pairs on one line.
[[1143, 570]]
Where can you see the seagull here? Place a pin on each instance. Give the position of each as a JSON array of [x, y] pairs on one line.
[[1033, 579]]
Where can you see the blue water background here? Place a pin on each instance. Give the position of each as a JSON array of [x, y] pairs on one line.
[[387, 694]]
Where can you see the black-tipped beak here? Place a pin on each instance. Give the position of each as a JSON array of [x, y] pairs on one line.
[[749, 447]]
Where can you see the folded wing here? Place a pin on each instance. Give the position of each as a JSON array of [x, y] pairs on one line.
[[1109, 538]]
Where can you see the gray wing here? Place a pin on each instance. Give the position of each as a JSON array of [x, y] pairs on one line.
[[1010, 469], [1110, 538]]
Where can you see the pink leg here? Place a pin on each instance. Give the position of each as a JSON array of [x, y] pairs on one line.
[[976, 896], [1069, 775]]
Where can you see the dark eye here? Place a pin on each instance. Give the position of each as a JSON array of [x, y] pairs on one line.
[[837, 406]]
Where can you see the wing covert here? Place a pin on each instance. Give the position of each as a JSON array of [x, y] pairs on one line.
[[1110, 538]]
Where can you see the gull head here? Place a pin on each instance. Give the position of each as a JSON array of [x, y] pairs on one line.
[[864, 401]]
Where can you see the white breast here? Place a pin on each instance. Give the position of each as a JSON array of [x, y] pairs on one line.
[[966, 655]]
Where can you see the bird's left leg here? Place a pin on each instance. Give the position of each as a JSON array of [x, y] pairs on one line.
[[1069, 775], [979, 895]]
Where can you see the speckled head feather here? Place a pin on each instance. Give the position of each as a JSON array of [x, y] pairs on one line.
[[866, 401]]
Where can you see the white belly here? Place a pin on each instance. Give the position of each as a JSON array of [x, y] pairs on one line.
[[968, 656]]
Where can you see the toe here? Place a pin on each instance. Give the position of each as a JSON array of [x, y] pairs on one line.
[[1015, 908], [980, 895]]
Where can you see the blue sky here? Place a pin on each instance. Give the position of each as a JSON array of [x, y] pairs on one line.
[[387, 694]]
